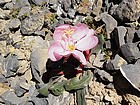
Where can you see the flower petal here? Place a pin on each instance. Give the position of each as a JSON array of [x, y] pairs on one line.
[[58, 33], [80, 56], [80, 31], [88, 42], [54, 50]]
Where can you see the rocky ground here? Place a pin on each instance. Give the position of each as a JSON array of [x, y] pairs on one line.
[[26, 29]]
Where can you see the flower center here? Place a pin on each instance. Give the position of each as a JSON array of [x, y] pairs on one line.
[[71, 47], [68, 32]]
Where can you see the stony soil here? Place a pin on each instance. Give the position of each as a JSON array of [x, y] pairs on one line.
[[26, 29]]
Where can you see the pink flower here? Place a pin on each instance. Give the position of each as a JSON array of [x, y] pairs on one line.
[[72, 40]]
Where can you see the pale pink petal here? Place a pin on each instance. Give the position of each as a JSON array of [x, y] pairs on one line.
[[53, 51], [88, 42], [80, 56], [59, 31], [80, 31]]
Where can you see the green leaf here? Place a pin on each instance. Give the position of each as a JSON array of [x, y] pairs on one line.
[[79, 83], [44, 90], [57, 88]]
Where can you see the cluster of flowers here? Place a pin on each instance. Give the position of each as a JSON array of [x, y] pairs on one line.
[[72, 40]]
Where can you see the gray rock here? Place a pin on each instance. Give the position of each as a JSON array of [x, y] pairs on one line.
[[24, 11], [53, 100], [33, 92], [126, 11], [130, 52], [21, 3], [19, 91], [32, 23], [11, 63], [2, 14], [39, 58], [40, 33], [97, 5], [14, 23], [119, 35], [71, 13], [131, 73], [66, 5], [39, 2], [11, 99], [4, 1], [130, 34], [9, 5], [2, 78], [103, 76], [40, 101], [138, 34], [116, 63], [110, 22]]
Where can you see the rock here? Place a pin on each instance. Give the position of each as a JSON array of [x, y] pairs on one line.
[[2, 25], [35, 42], [116, 63], [126, 11], [10, 65], [4, 1], [110, 22], [8, 6], [39, 101], [97, 61], [137, 35], [71, 13], [14, 23], [131, 73], [39, 58], [11, 99], [24, 11], [119, 35], [39, 2], [130, 52], [66, 5], [3, 88], [40, 33], [2, 79], [32, 23], [97, 5], [103, 76], [53, 100], [21, 3], [19, 91], [130, 35]]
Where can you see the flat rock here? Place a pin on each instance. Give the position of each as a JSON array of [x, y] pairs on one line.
[[116, 63], [126, 11], [130, 52], [110, 22], [119, 35], [32, 23], [10, 98], [14, 23], [4, 1], [131, 73], [39, 58]]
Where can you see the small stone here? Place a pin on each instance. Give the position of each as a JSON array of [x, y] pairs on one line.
[[131, 73], [11, 63], [3, 88], [119, 35], [19, 91], [103, 76], [116, 63], [40, 33], [38, 58], [14, 23], [39, 2], [126, 11], [9, 5], [110, 22], [130, 34], [32, 23], [97, 5], [4, 1], [24, 11], [71, 13], [130, 52], [10, 98]]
